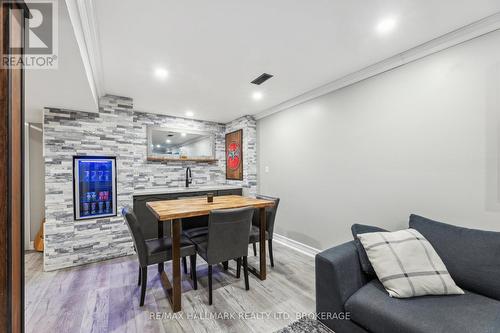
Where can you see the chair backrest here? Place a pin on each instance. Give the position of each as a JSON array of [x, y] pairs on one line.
[[137, 236], [228, 233], [270, 214]]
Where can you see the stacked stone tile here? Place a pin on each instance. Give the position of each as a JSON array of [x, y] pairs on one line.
[[153, 174], [119, 130], [249, 126]]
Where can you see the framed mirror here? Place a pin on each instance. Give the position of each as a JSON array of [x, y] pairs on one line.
[[168, 144]]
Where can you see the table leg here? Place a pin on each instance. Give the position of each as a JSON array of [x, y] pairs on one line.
[[176, 265], [262, 243], [160, 235], [173, 290], [261, 272]]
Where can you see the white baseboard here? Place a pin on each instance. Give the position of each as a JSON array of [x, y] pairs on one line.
[[297, 246], [31, 246]]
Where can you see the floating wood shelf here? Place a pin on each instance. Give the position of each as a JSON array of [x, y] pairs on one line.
[[170, 159]]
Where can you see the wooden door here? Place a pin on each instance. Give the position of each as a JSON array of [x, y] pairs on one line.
[[11, 170]]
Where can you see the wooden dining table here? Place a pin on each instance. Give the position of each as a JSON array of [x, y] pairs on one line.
[[173, 211]]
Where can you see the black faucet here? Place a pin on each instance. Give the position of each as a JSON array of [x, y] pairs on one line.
[[189, 178]]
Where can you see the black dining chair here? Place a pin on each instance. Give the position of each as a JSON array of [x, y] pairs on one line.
[[227, 239], [270, 218], [155, 251], [194, 227]]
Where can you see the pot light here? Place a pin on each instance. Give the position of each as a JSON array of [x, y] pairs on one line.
[[183, 134], [257, 95], [158, 146], [161, 73], [386, 25], [189, 113], [169, 141]]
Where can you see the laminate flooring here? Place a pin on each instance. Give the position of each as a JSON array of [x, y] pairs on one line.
[[104, 297]]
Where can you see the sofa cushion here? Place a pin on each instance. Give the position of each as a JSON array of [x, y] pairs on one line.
[[471, 256], [357, 229], [371, 308], [407, 265]]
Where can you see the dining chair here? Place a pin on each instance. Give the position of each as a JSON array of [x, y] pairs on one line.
[[193, 227], [227, 239], [270, 218], [196, 228], [155, 251]]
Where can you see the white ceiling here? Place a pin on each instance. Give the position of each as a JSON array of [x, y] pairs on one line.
[[213, 49], [67, 87]]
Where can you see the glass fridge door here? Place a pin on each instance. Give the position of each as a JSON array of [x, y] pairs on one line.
[[95, 187]]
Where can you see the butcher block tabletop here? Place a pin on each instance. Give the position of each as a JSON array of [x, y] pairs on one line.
[[181, 208]]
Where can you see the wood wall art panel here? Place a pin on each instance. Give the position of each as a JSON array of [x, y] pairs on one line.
[[234, 155]]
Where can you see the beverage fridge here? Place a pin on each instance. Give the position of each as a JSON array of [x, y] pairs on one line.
[[94, 185]]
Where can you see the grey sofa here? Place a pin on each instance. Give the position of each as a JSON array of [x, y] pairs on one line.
[[350, 300]]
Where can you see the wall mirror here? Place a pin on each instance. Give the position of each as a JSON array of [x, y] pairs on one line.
[[168, 144]]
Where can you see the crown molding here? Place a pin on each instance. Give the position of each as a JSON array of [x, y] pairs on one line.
[[479, 28], [85, 28]]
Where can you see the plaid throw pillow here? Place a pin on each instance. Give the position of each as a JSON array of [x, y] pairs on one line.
[[407, 264]]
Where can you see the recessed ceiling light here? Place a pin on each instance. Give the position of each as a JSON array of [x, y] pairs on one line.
[[158, 146], [257, 95], [168, 140], [189, 113], [183, 134], [161, 73], [386, 25]]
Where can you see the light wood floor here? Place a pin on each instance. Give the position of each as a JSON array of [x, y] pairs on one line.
[[104, 297]]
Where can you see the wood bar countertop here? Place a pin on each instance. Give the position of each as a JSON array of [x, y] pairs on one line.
[[189, 207]]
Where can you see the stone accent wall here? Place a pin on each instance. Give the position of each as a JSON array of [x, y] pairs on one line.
[[68, 133], [119, 130], [249, 126], [153, 174]]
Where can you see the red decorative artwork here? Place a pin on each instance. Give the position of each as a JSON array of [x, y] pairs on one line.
[[234, 155]]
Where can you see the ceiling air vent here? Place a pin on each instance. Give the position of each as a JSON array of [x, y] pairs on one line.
[[261, 79]]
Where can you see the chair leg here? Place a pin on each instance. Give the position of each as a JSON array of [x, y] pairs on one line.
[[270, 245], [254, 249], [209, 284], [225, 264], [144, 273], [184, 263], [245, 272], [139, 283], [192, 261], [238, 267]]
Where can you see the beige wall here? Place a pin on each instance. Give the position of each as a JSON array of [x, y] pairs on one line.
[[423, 138]]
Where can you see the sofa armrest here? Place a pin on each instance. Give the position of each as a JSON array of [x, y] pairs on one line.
[[338, 276]]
